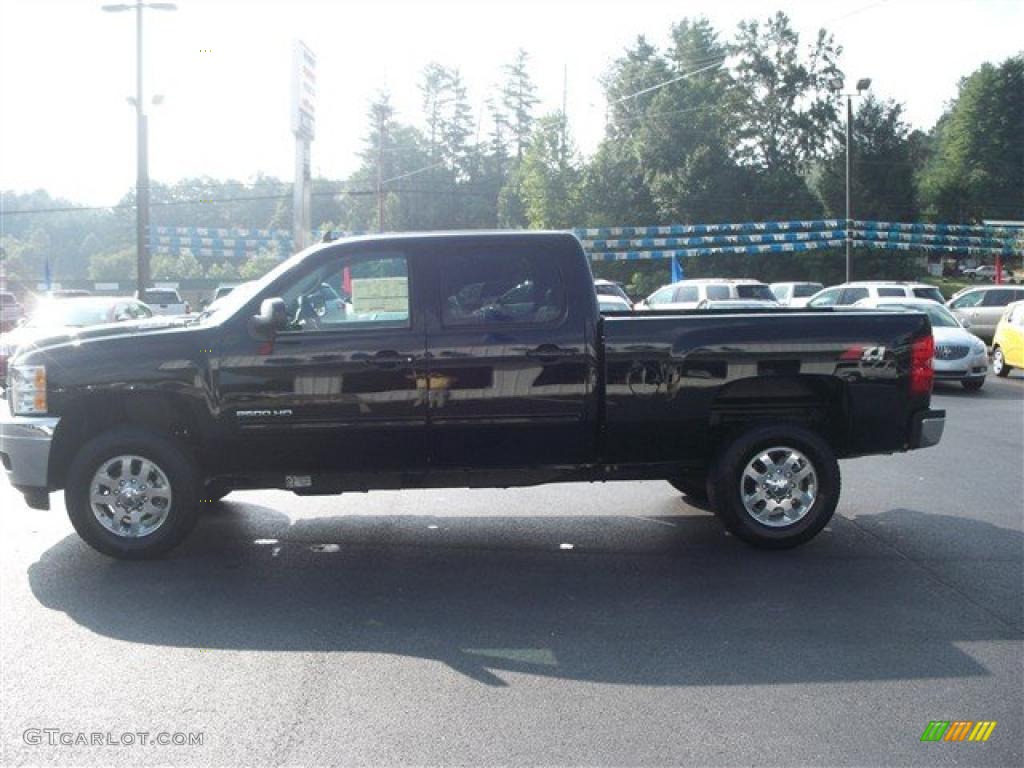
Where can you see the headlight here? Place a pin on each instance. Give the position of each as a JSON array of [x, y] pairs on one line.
[[979, 346], [28, 389]]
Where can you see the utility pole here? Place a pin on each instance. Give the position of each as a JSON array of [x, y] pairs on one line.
[[141, 144], [380, 171], [304, 129], [849, 223]]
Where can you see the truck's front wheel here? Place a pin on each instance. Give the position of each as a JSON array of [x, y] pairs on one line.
[[132, 493], [776, 486]]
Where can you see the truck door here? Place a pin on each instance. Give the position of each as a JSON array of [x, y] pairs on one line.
[[509, 369], [337, 391]]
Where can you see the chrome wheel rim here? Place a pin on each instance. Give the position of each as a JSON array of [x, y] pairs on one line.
[[997, 362], [130, 496], [779, 486]]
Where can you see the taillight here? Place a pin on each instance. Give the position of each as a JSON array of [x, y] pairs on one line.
[[922, 370]]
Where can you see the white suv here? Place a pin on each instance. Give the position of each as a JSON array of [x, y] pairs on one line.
[[687, 294], [847, 294]]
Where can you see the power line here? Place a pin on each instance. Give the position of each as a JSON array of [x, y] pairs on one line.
[[719, 60]]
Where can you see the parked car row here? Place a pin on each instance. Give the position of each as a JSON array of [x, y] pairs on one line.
[[963, 327]]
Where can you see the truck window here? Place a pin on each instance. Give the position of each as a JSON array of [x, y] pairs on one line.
[[484, 289], [357, 291]]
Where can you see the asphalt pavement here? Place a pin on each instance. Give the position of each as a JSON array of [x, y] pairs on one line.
[[563, 625]]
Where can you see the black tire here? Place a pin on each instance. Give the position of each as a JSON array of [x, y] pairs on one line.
[[999, 366], [176, 464], [692, 486], [727, 475], [972, 385]]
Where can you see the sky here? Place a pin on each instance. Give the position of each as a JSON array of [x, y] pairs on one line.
[[224, 71]]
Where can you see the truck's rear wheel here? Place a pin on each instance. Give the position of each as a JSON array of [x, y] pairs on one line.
[[132, 493], [776, 486]]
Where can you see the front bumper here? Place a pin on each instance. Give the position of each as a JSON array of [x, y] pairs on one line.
[[926, 428], [25, 443], [973, 366]]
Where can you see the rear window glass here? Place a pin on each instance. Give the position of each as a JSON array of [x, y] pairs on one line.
[[716, 292], [686, 293], [161, 297], [755, 292]]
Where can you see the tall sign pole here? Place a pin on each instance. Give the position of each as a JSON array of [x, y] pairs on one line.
[[304, 129]]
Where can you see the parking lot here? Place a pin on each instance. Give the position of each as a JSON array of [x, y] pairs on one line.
[[559, 625]]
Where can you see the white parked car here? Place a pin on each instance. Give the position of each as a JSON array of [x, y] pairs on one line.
[[848, 294], [687, 294], [959, 354], [988, 272], [738, 305], [795, 294], [164, 301], [612, 304], [610, 288]]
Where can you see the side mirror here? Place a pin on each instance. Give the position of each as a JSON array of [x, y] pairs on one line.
[[272, 317]]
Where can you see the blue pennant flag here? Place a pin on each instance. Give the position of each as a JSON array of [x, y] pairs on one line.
[[46, 273], [677, 271]]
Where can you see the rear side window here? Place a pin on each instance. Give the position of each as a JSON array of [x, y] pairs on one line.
[[161, 297], [889, 292], [686, 293], [929, 293], [718, 292], [999, 297], [754, 291], [485, 289]]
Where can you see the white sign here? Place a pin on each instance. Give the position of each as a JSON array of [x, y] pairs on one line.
[[303, 91]]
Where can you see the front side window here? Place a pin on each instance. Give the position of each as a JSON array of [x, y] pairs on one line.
[[661, 296], [686, 293], [501, 289], [826, 298], [971, 299], [357, 291], [851, 295], [718, 292]]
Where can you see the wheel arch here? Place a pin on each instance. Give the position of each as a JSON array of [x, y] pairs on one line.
[[164, 413]]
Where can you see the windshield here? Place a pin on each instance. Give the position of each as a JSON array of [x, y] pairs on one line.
[[240, 296], [55, 314]]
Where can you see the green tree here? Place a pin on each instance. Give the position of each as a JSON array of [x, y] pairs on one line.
[[519, 98], [882, 185], [779, 94], [976, 169], [259, 265], [175, 266], [224, 271], [117, 265], [552, 179]]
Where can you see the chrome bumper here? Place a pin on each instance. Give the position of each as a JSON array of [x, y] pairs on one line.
[[25, 448], [926, 429]]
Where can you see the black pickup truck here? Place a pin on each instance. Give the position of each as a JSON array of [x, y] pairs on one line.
[[454, 360]]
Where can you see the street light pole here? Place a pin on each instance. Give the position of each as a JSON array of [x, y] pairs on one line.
[[141, 143], [836, 85], [849, 239]]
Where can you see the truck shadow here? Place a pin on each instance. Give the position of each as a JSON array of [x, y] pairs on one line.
[[664, 601]]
